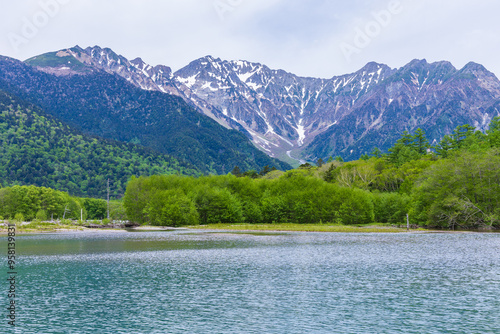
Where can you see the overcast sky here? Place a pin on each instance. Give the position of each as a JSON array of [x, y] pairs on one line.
[[319, 38]]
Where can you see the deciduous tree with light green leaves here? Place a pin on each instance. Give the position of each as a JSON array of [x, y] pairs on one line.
[[462, 191]]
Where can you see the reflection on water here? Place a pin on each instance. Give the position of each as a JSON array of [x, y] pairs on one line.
[[190, 282]]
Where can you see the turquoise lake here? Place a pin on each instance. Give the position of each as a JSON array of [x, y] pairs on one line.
[[212, 282]]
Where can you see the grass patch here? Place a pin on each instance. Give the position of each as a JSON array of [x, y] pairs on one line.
[[51, 59], [373, 228], [34, 227]]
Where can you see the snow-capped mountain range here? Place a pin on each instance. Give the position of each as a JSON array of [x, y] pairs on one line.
[[311, 118]]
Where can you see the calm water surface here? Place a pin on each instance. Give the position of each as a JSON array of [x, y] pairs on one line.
[[204, 282]]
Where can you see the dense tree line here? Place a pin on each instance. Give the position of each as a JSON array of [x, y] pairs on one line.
[[39, 150], [293, 198], [462, 191], [453, 184], [30, 202]]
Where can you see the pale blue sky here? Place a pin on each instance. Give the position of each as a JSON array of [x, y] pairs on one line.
[[318, 38]]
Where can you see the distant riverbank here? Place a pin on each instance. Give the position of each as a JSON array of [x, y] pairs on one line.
[[305, 228], [45, 227], [57, 226]]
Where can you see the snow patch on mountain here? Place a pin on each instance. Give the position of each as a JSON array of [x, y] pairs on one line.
[[280, 110]]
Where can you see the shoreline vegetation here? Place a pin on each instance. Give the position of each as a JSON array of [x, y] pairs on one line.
[[454, 185], [37, 226], [69, 226], [305, 228]]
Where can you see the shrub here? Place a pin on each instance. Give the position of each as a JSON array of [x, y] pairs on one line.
[[41, 215], [19, 217]]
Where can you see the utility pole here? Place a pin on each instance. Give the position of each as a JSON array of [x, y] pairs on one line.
[[65, 210], [108, 198]]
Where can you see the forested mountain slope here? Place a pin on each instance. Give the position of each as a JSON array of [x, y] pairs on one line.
[[106, 105], [36, 149], [311, 118]]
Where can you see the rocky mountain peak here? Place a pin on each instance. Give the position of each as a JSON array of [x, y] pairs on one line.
[[289, 117], [478, 71], [135, 71], [416, 63], [373, 67], [472, 67], [137, 62], [485, 78]]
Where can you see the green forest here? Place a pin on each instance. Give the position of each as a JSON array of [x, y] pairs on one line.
[[40, 203], [36, 149], [452, 185]]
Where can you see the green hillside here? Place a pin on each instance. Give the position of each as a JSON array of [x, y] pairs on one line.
[[36, 149], [51, 59], [108, 106]]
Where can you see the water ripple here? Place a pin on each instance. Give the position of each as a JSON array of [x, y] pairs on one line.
[[241, 283]]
